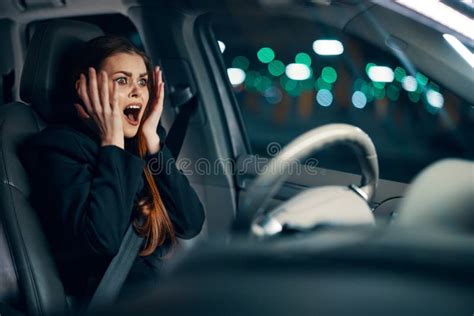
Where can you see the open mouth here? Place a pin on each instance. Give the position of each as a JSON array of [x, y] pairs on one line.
[[132, 113]]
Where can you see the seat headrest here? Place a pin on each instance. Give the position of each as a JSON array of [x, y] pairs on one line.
[[441, 197], [46, 81]]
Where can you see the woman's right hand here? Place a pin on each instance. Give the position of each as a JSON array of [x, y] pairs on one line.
[[98, 109]]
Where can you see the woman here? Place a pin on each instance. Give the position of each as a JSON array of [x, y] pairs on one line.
[[91, 178]]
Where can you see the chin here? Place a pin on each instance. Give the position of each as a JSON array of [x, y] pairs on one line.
[[130, 132]]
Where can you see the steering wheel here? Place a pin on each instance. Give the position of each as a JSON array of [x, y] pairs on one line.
[[327, 205]]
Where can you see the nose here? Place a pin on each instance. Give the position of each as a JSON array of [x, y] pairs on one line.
[[135, 91]]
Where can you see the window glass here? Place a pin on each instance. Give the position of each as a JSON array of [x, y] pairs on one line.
[[285, 85]]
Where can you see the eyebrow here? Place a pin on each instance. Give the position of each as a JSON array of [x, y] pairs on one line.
[[129, 74]]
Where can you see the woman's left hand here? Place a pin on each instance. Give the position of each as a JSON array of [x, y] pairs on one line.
[[150, 125]]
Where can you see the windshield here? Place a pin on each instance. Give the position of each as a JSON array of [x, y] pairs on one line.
[[291, 73]]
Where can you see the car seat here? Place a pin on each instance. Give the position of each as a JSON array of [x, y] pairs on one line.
[[29, 279]]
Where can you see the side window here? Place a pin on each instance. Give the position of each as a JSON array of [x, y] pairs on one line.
[[290, 75]]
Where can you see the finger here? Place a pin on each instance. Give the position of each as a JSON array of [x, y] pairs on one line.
[[161, 95], [158, 82], [115, 103], [83, 93], [81, 112], [93, 91], [104, 91]]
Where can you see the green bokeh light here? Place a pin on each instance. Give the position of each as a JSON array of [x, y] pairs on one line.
[[321, 84], [399, 73], [295, 92], [378, 85], [251, 79], [276, 68], [241, 62], [303, 58], [369, 65], [433, 86], [421, 79], [288, 84], [414, 96], [307, 84], [393, 92], [266, 55], [358, 84], [379, 94], [369, 92], [329, 74], [263, 83]]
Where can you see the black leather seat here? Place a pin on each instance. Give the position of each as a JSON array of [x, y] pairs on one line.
[[29, 279]]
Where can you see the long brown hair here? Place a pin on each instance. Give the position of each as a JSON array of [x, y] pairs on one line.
[[151, 221]]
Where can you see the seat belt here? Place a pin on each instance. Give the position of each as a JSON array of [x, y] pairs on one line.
[[117, 271], [175, 138]]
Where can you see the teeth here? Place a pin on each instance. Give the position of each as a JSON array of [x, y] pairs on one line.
[[133, 107]]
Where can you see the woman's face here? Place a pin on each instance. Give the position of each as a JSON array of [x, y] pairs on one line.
[[129, 71]]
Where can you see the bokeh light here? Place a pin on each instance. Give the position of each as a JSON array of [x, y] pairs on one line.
[[324, 97], [303, 58], [393, 92], [266, 55], [276, 68], [241, 62], [273, 95], [298, 71], [399, 73], [321, 84], [221, 46], [409, 83], [414, 96], [435, 99], [328, 47], [381, 74], [359, 100], [368, 66], [329, 74], [421, 79], [236, 76]]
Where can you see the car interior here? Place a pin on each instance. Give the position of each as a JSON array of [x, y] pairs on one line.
[[322, 241]]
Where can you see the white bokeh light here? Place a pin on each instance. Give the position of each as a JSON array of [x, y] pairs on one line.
[[435, 99], [328, 47], [297, 71], [381, 74], [409, 84], [236, 76], [221, 46]]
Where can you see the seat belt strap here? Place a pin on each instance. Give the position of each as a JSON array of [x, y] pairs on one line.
[[117, 271], [175, 138]]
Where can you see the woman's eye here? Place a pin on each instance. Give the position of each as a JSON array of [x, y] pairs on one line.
[[142, 82], [121, 80]]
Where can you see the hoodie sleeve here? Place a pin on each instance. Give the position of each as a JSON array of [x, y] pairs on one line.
[[92, 195], [181, 201]]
